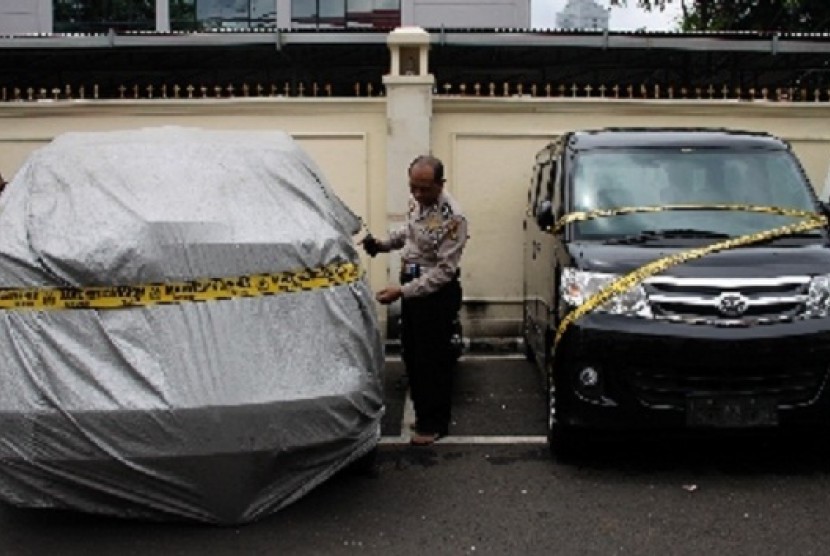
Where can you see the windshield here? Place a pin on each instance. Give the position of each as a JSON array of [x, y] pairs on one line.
[[652, 177]]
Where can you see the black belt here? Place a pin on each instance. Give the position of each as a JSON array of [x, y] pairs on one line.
[[410, 271]]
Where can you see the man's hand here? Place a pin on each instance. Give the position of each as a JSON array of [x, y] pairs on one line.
[[370, 245], [389, 294]]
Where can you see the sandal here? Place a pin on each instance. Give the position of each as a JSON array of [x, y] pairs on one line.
[[425, 439]]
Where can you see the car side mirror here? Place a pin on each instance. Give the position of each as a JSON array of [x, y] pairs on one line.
[[544, 214]]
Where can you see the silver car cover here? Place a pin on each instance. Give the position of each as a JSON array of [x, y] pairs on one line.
[[219, 411]]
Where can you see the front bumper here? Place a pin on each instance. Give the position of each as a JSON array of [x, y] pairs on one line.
[[649, 372], [218, 464]]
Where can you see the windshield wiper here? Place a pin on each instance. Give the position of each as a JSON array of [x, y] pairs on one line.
[[810, 234], [652, 235], [814, 234], [686, 232]]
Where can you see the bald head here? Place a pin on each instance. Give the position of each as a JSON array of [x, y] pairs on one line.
[[432, 163], [426, 179]]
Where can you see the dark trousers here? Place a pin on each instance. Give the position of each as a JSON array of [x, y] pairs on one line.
[[426, 334]]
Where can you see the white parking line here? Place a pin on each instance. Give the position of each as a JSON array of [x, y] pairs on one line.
[[493, 356], [470, 440], [476, 357], [409, 418]]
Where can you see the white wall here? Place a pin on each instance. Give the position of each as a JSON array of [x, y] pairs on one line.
[[486, 14], [487, 143]]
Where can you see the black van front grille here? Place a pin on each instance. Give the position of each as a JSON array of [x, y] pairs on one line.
[[669, 387], [751, 299]]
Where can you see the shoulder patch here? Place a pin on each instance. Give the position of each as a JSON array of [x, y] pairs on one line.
[[446, 210], [452, 228]]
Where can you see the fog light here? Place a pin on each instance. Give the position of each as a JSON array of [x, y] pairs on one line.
[[588, 377]]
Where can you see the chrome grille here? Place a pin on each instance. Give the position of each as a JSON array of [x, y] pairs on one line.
[[727, 300]]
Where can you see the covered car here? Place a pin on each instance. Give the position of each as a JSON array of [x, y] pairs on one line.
[[185, 328]]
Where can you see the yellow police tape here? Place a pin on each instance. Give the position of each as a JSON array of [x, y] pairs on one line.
[[208, 289], [810, 221]]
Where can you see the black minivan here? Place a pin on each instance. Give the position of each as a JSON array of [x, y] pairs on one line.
[[735, 338]]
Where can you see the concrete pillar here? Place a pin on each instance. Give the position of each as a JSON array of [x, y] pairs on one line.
[[409, 88]]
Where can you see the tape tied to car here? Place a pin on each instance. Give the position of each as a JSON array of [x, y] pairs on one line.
[[172, 293], [808, 221]]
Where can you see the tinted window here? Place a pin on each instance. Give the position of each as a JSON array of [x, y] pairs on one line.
[[611, 178], [554, 189], [533, 192]]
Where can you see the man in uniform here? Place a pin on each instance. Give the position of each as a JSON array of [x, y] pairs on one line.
[[431, 243]]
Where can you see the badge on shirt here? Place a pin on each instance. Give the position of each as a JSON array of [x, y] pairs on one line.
[[433, 222]]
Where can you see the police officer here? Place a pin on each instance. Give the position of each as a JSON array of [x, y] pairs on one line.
[[431, 244]]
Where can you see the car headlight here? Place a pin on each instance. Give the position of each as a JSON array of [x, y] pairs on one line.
[[578, 286], [818, 297]]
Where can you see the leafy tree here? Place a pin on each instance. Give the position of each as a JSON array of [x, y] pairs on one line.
[[746, 15], [183, 15]]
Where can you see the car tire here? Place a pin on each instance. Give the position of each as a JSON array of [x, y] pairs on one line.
[[564, 444]]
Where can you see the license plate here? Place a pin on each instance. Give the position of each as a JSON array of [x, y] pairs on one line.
[[734, 412]]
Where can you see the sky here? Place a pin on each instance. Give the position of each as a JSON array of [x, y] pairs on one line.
[[543, 16]]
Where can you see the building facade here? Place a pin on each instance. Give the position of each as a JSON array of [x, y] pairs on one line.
[[25, 16], [99, 16], [583, 14], [466, 14]]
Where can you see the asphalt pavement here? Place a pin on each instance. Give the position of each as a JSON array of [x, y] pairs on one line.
[[495, 399], [491, 488]]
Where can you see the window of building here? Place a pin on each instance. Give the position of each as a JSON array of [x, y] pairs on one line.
[[338, 14], [332, 13], [359, 13], [199, 15], [98, 16], [304, 13]]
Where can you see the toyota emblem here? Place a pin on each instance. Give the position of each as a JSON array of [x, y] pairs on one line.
[[732, 304]]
